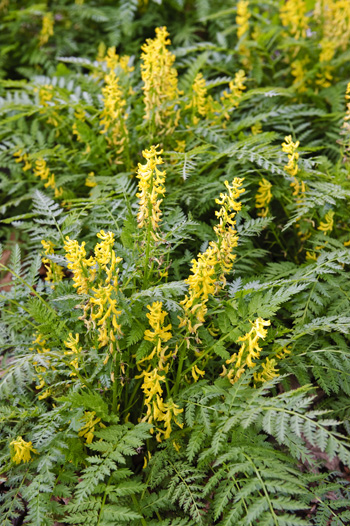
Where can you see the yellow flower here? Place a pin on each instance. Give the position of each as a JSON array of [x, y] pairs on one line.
[[333, 17], [113, 116], [167, 412], [79, 265], [346, 123], [106, 306], [268, 372], [74, 349], [151, 187], [328, 224], [113, 60], [230, 99], [151, 384], [196, 373], [209, 269], [90, 180], [299, 72], [23, 157], [263, 197], [54, 272], [87, 430], [104, 250], [22, 450], [293, 15], [311, 256], [242, 18], [47, 29], [256, 128], [156, 318], [159, 81], [41, 169], [290, 148], [199, 102], [248, 352]]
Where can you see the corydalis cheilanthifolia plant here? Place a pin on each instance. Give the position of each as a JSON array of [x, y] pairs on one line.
[[209, 269], [159, 82]]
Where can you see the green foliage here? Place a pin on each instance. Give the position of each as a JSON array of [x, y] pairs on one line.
[[174, 352]]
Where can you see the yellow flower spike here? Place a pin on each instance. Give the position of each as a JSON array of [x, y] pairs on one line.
[[199, 102], [114, 116], [346, 123], [248, 351], [299, 71], [151, 187], [290, 148], [230, 99], [88, 429], [159, 81], [44, 394], [293, 16], [74, 350], [334, 19], [104, 250], [209, 269], [83, 276], [256, 128], [23, 157], [156, 318], [328, 224], [196, 373], [311, 256], [47, 29], [263, 197], [151, 384], [146, 459], [22, 450], [90, 180], [242, 18], [268, 372], [54, 272], [41, 169]]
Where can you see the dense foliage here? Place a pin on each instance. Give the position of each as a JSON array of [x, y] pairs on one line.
[[176, 307]]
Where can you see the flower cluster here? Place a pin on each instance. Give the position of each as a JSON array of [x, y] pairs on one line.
[[293, 16], [102, 304], [242, 18], [54, 272], [263, 197], [82, 268], [89, 422], [22, 157], [249, 351], [22, 450], [72, 344], [199, 101], [158, 411], [160, 81], [47, 29], [230, 99], [290, 148], [113, 60], [42, 170], [151, 187], [328, 223], [209, 269], [346, 124], [113, 115], [159, 334]]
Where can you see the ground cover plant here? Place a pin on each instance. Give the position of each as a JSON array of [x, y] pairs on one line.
[[176, 307]]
